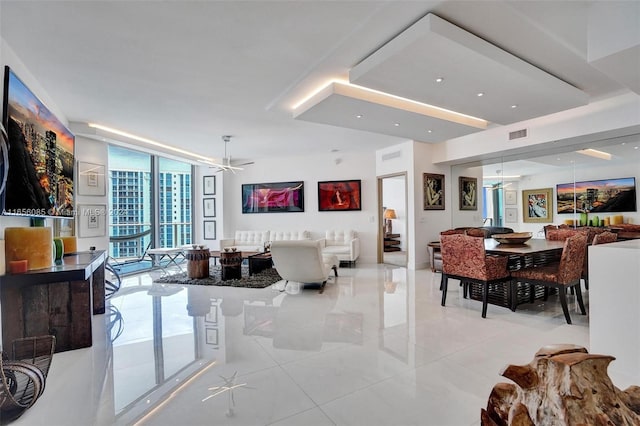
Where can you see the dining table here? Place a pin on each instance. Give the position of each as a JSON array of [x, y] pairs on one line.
[[534, 246]]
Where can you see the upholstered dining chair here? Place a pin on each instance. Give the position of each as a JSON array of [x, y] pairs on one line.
[[561, 275], [464, 259], [560, 234], [605, 238]]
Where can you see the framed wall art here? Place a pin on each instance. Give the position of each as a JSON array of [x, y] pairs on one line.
[[92, 220], [209, 185], [537, 205], [211, 336], [511, 215], [339, 195], [209, 207], [468, 188], [91, 179], [433, 191], [209, 229], [277, 197], [511, 198], [597, 196]]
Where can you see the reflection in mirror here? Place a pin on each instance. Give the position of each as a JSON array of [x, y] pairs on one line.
[[520, 192]]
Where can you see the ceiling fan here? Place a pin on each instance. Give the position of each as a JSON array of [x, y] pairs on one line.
[[226, 161]]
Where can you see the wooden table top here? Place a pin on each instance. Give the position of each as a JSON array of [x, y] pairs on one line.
[[534, 245], [245, 254]]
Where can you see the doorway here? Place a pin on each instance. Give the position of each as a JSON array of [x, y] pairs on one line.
[[393, 225]]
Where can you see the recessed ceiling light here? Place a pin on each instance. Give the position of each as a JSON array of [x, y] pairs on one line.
[[624, 143], [480, 94], [439, 80], [514, 106], [429, 131], [396, 124], [635, 147], [359, 116]]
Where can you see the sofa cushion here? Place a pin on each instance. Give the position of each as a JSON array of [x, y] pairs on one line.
[[289, 235], [251, 238], [335, 250]]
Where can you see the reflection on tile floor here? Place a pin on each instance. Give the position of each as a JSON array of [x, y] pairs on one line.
[[375, 348]]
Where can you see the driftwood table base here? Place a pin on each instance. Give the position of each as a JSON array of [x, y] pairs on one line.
[[563, 385]]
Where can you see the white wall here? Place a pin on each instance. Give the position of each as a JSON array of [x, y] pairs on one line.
[[91, 151], [428, 223], [310, 170]]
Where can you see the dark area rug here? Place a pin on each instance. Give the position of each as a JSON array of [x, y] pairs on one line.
[[259, 280]]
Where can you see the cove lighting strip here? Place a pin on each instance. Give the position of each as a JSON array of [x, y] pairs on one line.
[[200, 158], [354, 91], [595, 153]]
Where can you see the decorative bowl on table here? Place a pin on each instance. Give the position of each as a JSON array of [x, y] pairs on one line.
[[513, 238]]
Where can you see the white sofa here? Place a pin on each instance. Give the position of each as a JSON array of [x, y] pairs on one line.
[[256, 240], [246, 241], [344, 244], [303, 261], [289, 235]]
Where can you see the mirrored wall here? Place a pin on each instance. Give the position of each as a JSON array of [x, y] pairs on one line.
[[527, 192]]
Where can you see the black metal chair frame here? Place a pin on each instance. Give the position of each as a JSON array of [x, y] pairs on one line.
[[465, 281], [22, 379]]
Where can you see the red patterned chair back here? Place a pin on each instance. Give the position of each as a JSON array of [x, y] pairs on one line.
[[605, 238], [464, 256], [475, 232], [560, 234], [572, 260]]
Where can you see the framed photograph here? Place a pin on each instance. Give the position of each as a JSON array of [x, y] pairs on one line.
[[212, 336], [209, 207], [433, 191], [91, 179], [209, 185], [537, 205], [511, 198], [597, 196], [212, 316], [278, 197], [92, 220], [209, 229], [339, 195], [511, 215], [468, 188]]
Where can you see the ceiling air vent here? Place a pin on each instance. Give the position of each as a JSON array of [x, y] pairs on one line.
[[389, 156], [518, 134]]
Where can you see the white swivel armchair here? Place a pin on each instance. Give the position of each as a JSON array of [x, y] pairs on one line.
[[302, 261]]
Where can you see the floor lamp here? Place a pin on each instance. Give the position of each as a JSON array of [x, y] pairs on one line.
[[388, 215]]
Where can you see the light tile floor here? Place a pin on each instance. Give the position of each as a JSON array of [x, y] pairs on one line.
[[365, 352]]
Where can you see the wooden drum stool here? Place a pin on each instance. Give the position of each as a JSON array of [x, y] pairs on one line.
[[231, 262], [197, 262]]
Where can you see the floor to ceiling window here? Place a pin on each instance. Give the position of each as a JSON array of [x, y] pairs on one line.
[[175, 202], [138, 182]]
